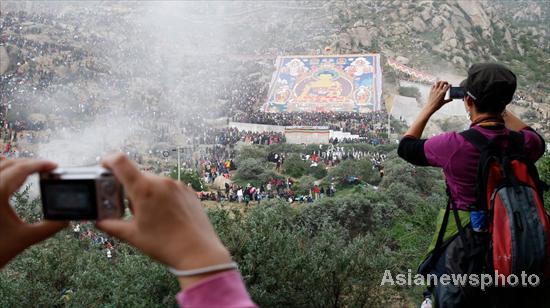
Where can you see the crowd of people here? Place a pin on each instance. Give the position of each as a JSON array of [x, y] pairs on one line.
[[232, 135], [331, 156], [86, 233], [361, 124], [273, 189]]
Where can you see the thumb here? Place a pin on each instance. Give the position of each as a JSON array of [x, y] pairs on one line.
[[42, 230], [122, 229]]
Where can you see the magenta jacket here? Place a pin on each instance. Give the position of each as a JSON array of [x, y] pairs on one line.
[[225, 289], [459, 158]]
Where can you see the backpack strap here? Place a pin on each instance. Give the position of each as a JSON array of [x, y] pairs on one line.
[[483, 145], [439, 248], [477, 139]]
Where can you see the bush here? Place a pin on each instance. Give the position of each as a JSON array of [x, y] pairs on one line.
[[250, 171], [332, 252], [347, 169], [251, 152], [304, 184], [303, 257], [319, 171], [295, 166], [188, 177], [410, 92]]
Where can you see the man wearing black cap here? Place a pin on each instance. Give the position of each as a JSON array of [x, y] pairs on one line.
[[488, 88]]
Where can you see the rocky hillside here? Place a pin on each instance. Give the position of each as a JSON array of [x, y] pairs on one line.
[[223, 49], [451, 34]]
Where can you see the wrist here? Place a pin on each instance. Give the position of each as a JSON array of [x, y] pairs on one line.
[[429, 110], [214, 258], [201, 259], [186, 282]]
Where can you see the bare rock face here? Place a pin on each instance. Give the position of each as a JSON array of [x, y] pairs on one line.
[[478, 16], [345, 41], [404, 12], [458, 61], [402, 60], [399, 28], [508, 38], [363, 35], [448, 33], [426, 14], [418, 25], [437, 21]]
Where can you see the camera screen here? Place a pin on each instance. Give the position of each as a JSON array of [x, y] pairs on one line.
[[69, 199]]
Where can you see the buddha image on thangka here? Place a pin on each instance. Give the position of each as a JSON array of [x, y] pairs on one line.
[[324, 83]]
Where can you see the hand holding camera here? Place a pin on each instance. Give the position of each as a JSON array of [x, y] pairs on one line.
[[15, 234], [168, 223], [436, 99]]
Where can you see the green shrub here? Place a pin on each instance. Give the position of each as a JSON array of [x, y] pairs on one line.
[[319, 171], [410, 92], [361, 169], [188, 177], [332, 252], [295, 166], [251, 152]]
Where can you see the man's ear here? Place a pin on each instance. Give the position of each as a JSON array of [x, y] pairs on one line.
[[469, 101]]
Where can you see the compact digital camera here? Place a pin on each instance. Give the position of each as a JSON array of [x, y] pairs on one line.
[[88, 193], [456, 93]]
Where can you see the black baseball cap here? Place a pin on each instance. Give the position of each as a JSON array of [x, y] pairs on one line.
[[490, 83]]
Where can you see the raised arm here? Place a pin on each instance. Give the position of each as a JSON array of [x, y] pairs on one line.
[[435, 101], [512, 122]]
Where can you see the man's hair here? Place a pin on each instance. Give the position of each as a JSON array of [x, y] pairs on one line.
[[489, 108]]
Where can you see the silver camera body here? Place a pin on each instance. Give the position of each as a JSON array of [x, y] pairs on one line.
[[86, 193]]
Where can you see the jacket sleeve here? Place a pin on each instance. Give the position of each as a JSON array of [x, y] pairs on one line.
[[225, 289], [411, 149], [534, 143]]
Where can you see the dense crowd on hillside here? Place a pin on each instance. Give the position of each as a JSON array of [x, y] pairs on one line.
[[275, 188], [225, 190], [70, 70], [232, 135], [362, 124]]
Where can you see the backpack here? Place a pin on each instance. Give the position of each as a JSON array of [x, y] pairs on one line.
[[509, 189]]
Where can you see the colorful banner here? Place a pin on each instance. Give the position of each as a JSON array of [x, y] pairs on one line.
[[421, 76], [326, 83]]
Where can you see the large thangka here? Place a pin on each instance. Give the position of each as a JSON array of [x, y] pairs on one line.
[[326, 83]]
